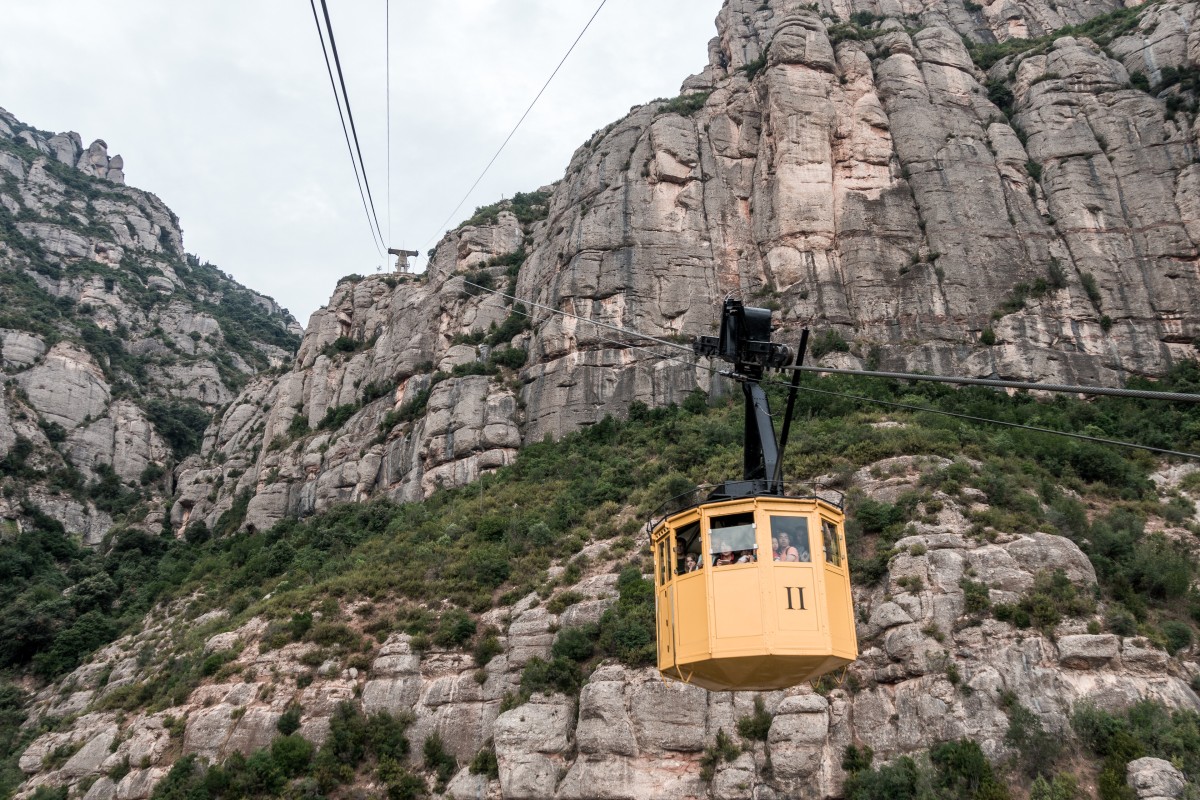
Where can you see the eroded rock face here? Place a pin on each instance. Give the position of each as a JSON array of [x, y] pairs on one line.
[[929, 672], [103, 315], [1035, 220]]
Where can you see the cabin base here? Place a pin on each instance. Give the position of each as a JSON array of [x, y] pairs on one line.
[[755, 673]]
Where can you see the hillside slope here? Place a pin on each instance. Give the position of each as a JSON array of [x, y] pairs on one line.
[[924, 197], [1026, 608], [117, 347]]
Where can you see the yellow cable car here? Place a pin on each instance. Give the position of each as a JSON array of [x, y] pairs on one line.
[[752, 588], [730, 616]]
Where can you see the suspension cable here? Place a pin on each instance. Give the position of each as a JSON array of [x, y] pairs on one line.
[[341, 79], [857, 398], [1145, 394], [342, 118], [441, 228], [387, 82]]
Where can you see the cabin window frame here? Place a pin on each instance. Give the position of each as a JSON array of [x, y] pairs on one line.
[[749, 519], [831, 528]]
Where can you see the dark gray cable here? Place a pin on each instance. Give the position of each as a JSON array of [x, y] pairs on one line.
[[337, 61], [342, 118], [859, 398], [922, 409], [1145, 394], [513, 132]]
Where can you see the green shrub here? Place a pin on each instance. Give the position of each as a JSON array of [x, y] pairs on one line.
[[485, 763], [438, 760], [560, 675], [1178, 635], [213, 663], [1037, 748], [181, 422], [292, 755], [723, 749], [401, 784], [487, 648], [976, 598], [627, 629], [289, 721], [509, 357], [826, 342], [455, 628], [685, 104], [1051, 598], [577, 644], [757, 725], [1064, 786]]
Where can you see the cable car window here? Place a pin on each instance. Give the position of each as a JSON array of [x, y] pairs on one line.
[[789, 539], [833, 554], [732, 539], [688, 554], [664, 555]]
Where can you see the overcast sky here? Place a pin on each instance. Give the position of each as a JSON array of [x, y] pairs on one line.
[[224, 110]]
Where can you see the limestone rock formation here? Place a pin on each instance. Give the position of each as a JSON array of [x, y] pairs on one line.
[[930, 671], [878, 173], [114, 343]]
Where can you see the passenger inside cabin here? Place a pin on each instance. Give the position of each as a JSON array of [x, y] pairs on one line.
[[689, 564], [774, 548], [786, 551], [745, 557], [724, 555]]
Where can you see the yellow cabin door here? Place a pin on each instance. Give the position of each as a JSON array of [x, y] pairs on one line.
[[666, 632], [664, 597], [839, 608]]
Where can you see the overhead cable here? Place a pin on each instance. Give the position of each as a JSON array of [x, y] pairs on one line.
[[842, 395], [387, 80], [1145, 394], [513, 132], [989, 421], [359, 176]]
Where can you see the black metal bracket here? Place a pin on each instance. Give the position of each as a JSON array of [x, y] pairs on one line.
[[745, 342]]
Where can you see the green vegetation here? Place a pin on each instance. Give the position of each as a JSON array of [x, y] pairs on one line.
[[826, 342], [1144, 729], [1037, 749], [527, 206], [685, 104], [1052, 598], [756, 726], [756, 66], [356, 745], [12, 738], [625, 632], [950, 771], [723, 749], [1101, 29], [180, 422]]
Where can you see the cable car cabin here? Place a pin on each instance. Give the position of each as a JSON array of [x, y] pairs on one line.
[[730, 617]]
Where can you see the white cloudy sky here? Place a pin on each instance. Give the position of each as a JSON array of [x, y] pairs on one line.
[[223, 109]]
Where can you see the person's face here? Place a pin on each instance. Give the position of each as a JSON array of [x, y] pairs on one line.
[[775, 542], [783, 540]]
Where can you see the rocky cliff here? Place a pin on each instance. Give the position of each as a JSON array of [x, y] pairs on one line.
[[953, 187], [117, 347], [930, 187], [937, 665]]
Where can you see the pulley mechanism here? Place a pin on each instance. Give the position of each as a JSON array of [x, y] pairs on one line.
[[745, 342]]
